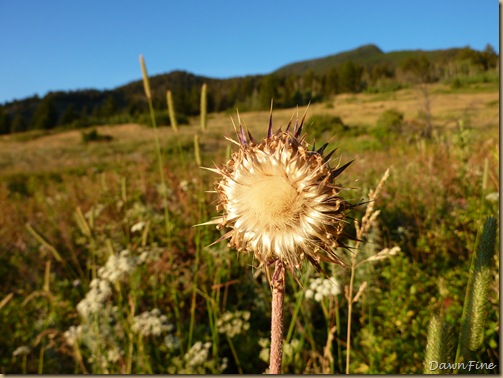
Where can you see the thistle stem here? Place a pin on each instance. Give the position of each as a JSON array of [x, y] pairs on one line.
[[277, 318]]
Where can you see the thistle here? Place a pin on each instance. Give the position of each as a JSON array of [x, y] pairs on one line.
[[279, 201]]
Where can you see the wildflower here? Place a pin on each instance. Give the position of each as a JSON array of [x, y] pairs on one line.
[[223, 366], [72, 335], [197, 360], [143, 257], [114, 355], [198, 354], [184, 185], [137, 226], [323, 287], [151, 323], [279, 200], [22, 350], [172, 342], [95, 298], [148, 253], [493, 197], [117, 267], [233, 324], [290, 349], [264, 352]]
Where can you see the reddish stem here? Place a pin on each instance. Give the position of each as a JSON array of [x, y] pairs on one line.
[[278, 296]]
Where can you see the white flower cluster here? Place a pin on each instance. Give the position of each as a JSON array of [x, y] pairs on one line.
[[265, 351], [197, 360], [198, 354], [137, 227], [114, 355], [118, 267], [172, 342], [493, 197], [22, 350], [151, 323], [185, 185], [233, 323], [95, 298], [149, 253], [138, 214], [322, 287], [100, 329], [97, 339], [95, 327], [72, 335], [290, 350], [97, 330]]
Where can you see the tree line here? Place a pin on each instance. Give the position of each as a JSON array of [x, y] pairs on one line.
[[77, 109]]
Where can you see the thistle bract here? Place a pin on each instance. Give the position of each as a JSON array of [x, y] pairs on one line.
[[278, 199]]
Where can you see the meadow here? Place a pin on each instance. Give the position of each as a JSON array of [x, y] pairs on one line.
[[103, 271]]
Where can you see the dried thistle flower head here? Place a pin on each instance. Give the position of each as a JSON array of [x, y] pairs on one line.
[[278, 199]]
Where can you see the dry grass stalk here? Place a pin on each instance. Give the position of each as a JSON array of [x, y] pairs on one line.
[[171, 111], [146, 83], [367, 222]]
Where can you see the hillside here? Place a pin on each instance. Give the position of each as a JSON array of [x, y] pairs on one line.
[[363, 54], [366, 55], [366, 68]]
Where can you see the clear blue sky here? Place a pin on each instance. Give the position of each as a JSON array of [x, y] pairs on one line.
[[75, 44]]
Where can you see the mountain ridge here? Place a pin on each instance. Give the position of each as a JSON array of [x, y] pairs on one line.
[[369, 54], [365, 54], [296, 83]]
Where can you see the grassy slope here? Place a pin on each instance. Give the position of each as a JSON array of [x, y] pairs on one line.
[[64, 150]]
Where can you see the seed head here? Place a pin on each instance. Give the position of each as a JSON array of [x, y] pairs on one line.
[[278, 199]]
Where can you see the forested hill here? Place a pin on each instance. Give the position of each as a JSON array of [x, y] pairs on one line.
[[361, 55], [367, 55], [366, 68]]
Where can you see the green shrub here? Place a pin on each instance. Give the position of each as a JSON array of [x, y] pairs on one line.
[[389, 124], [94, 136], [456, 84], [324, 127]]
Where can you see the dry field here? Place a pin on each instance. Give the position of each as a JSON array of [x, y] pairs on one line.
[[64, 150]]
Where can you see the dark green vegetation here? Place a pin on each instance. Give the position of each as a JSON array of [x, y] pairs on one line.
[[75, 212], [364, 69]]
